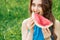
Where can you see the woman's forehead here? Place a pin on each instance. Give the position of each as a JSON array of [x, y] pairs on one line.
[[37, 1]]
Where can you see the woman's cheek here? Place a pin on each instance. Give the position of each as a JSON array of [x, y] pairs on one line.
[[41, 11], [32, 8]]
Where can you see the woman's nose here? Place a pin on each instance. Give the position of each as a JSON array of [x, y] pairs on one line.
[[36, 8]]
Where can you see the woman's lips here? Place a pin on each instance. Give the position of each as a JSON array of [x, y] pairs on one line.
[[37, 12]]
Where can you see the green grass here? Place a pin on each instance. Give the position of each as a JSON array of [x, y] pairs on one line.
[[13, 12]]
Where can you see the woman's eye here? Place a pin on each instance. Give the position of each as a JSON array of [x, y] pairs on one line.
[[33, 4], [39, 5]]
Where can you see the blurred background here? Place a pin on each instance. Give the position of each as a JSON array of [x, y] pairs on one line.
[[13, 12]]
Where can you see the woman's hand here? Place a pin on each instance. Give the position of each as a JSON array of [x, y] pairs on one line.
[[46, 32], [30, 24]]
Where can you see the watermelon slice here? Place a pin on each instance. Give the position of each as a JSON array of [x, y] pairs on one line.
[[41, 21]]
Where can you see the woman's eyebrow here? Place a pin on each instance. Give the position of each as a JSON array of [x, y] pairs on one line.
[[39, 4], [33, 3]]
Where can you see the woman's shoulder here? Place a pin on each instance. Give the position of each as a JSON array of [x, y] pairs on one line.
[[26, 20], [57, 23], [24, 24]]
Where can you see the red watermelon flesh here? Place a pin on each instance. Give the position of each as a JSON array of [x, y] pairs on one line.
[[41, 21]]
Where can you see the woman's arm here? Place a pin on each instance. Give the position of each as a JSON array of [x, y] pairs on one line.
[[25, 34], [30, 35], [57, 29], [24, 30]]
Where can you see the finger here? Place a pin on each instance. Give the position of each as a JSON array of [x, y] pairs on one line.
[[31, 22], [31, 18], [44, 30], [32, 26], [48, 30], [45, 33]]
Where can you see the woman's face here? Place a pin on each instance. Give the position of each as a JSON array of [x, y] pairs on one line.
[[36, 7]]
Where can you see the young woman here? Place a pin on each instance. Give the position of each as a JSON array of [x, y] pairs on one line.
[[44, 8]]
